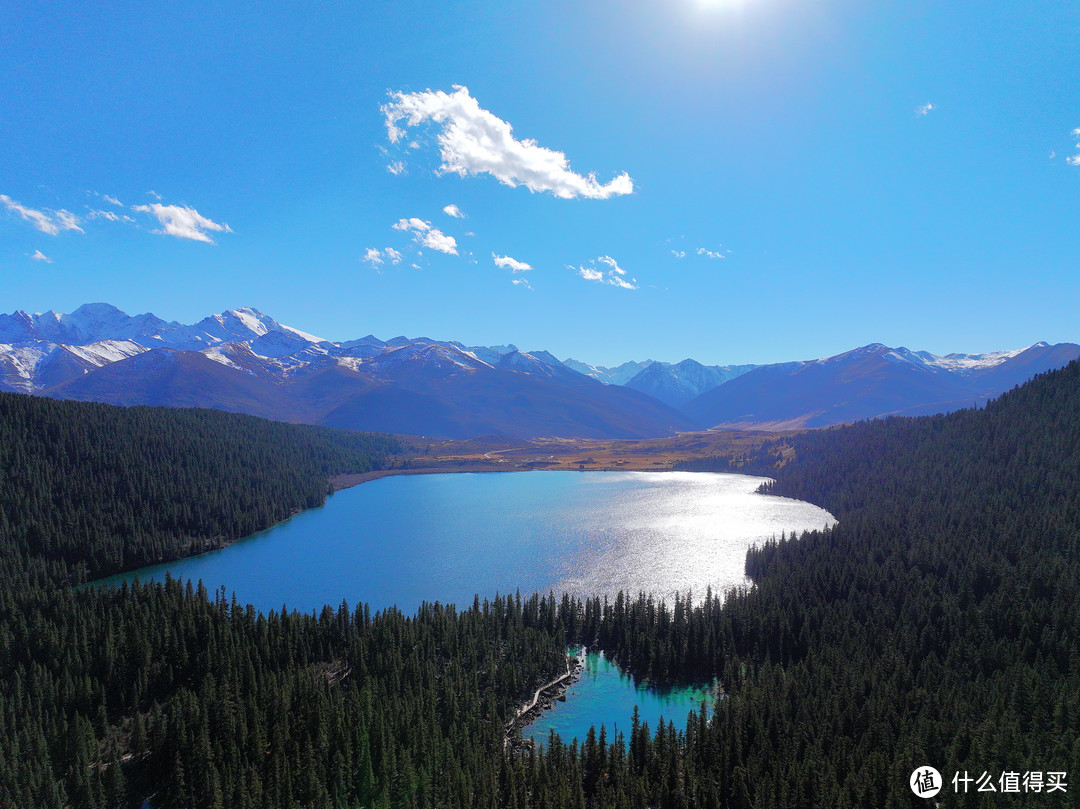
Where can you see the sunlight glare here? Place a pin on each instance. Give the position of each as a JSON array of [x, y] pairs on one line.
[[720, 4]]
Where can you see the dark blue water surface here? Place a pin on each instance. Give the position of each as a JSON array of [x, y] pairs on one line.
[[407, 539]]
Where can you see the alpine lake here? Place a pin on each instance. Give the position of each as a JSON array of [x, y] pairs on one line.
[[403, 540]]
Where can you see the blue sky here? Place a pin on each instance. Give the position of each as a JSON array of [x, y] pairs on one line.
[[735, 180]]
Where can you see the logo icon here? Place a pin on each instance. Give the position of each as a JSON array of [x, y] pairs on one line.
[[925, 782]]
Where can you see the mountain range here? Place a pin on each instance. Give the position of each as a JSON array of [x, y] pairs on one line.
[[245, 361]]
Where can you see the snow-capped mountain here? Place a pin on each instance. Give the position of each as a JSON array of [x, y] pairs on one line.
[[678, 383], [619, 375], [90, 323], [247, 361]]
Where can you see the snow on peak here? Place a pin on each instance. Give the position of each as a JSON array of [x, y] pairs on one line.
[[252, 319], [967, 363], [104, 352], [311, 338]]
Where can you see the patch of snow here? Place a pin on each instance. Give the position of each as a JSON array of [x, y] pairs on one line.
[[964, 363], [104, 352], [352, 363], [219, 356], [311, 338], [250, 319], [23, 359]]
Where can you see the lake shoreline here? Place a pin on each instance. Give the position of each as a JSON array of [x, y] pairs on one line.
[[339, 482], [446, 537], [531, 711]]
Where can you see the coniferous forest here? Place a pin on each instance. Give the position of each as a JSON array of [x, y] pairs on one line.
[[937, 624]]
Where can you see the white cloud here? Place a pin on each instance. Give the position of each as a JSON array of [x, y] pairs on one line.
[[1074, 160], [702, 251], [454, 211], [615, 275], [924, 109], [112, 200], [182, 221], [396, 167], [679, 253], [612, 263], [39, 256], [474, 141], [375, 257], [522, 282], [410, 224], [507, 263], [112, 216], [50, 222], [424, 234]]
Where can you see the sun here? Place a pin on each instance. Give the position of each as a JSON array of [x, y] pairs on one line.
[[720, 4]]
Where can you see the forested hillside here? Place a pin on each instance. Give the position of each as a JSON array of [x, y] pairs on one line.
[[935, 624], [90, 489]]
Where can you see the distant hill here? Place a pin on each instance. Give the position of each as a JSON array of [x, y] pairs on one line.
[[870, 382]]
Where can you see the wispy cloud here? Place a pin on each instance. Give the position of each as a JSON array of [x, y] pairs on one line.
[[375, 257], [454, 211], [39, 256], [47, 221], [522, 282], [112, 200], [182, 222], [613, 275], [704, 251], [1074, 160], [111, 216], [679, 253], [924, 109], [512, 264], [424, 234], [474, 141], [396, 167], [612, 263]]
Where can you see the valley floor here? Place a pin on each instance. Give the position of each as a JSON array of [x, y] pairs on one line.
[[495, 454]]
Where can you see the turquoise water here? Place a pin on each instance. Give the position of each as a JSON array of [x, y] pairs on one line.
[[407, 539], [604, 695]]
